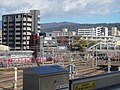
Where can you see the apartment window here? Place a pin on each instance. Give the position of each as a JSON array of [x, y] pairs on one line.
[[29, 22], [10, 40], [17, 35], [18, 26], [11, 18], [24, 16], [53, 37], [5, 22], [29, 16], [16, 16], [5, 18], [17, 31], [5, 27], [17, 40], [18, 21], [50, 35], [29, 26], [24, 21], [11, 22], [11, 26]]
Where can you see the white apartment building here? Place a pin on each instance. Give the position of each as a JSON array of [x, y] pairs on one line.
[[98, 31], [87, 32], [65, 32], [101, 31]]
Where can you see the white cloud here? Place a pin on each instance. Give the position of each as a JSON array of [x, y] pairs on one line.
[[60, 8]]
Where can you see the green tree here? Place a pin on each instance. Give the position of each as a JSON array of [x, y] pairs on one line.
[[80, 43]]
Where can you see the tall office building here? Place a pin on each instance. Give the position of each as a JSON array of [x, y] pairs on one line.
[[35, 21], [18, 29]]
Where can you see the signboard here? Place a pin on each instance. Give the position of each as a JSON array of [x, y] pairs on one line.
[[110, 54], [63, 87], [12, 56], [36, 37], [85, 86]]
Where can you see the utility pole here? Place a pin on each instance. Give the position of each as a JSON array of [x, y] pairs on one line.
[[42, 36], [36, 38], [109, 54], [93, 57], [109, 64], [15, 79], [96, 55], [42, 49]]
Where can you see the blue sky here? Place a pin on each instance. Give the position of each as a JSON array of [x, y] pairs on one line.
[[79, 11], [109, 18]]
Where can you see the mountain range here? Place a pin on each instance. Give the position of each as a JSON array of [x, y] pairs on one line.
[[74, 26], [58, 26]]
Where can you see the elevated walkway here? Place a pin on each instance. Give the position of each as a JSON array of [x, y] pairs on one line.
[[105, 46]]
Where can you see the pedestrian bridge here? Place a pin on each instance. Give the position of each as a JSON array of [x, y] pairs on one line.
[[105, 46]]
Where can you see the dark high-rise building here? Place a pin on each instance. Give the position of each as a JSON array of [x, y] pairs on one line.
[[18, 29]]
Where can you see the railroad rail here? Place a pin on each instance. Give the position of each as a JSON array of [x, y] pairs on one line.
[[7, 74]]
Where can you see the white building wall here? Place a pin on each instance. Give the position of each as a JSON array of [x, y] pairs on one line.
[[101, 31], [87, 32], [114, 31], [106, 31]]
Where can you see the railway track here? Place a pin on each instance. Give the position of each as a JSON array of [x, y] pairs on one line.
[[7, 80], [7, 75]]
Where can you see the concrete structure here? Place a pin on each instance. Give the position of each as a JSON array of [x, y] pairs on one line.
[[101, 31], [17, 29], [35, 21], [87, 32], [115, 31], [0, 37], [50, 39], [98, 31], [4, 48], [96, 38], [106, 46], [48, 44], [65, 32], [57, 33]]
